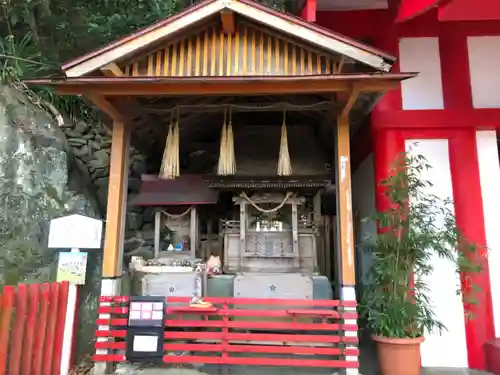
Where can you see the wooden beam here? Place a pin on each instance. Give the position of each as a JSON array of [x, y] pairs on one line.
[[117, 197], [351, 101], [344, 210], [111, 70], [187, 88], [339, 66], [242, 107], [104, 105], [228, 21]]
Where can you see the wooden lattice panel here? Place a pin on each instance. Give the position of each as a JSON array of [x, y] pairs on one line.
[[250, 51]]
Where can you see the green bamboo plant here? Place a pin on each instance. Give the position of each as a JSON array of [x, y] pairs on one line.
[[416, 227]]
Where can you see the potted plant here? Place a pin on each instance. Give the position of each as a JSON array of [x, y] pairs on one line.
[[416, 227]]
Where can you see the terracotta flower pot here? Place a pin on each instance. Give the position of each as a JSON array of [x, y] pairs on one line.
[[398, 356]]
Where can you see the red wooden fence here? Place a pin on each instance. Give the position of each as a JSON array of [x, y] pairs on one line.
[[310, 333], [32, 319]]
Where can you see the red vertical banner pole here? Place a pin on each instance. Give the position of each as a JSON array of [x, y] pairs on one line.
[[6, 308]]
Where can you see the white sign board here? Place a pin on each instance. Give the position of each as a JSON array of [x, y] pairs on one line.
[[75, 232]]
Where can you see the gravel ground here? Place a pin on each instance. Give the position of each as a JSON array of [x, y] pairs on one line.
[[368, 366], [244, 370]]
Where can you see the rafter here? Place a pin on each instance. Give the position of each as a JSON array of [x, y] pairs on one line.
[[111, 70], [339, 66], [104, 105], [349, 103]]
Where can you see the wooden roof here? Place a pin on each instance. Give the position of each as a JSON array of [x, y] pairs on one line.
[[230, 37]]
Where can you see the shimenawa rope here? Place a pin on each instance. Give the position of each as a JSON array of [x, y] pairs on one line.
[[263, 210]]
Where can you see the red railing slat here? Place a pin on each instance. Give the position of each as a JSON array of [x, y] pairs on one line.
[[40, 332], [32, 319], [6, 309], [275, 349], [277, 326], [62, 303], [109, 358], [288, 362], [239, 313], [241, 325], [248, 301], [29, 331], [51, 330], [241, 336], [16, 346]]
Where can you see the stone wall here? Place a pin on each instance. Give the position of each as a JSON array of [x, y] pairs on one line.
[[48, 170], [91, 147], [40, 179]]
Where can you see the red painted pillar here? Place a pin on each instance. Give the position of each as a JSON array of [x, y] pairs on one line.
[[468, 205], [388, 144], [309, 11]]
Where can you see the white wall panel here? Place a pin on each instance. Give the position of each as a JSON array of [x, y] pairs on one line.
[[425, 91], [489, 172], [448, 349], [484, 65]]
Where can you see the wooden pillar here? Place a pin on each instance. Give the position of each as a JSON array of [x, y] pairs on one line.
[[193, 232], [319, 263], [344, 209], [117, 198], [346, 227], [243, 230], [344, 197], [115, 229], [157, 233]]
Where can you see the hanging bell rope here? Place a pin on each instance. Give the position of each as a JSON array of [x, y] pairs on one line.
[[227, 160], [284, 162], [170, 168]]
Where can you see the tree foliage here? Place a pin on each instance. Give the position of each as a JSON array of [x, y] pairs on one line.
[[36, 36], [48, 32]]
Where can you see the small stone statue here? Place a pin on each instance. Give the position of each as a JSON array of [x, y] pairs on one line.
[[185, 242]]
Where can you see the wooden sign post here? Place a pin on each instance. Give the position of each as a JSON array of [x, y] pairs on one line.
[[73, 232]]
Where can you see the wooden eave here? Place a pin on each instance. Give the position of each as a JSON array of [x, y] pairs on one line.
[[168, 86], [284, 24]]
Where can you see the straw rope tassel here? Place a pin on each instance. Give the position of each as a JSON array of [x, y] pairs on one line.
[[175, 152], [165, 161], [222, 166], [231, 162], [170, 168], [284, 162]]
